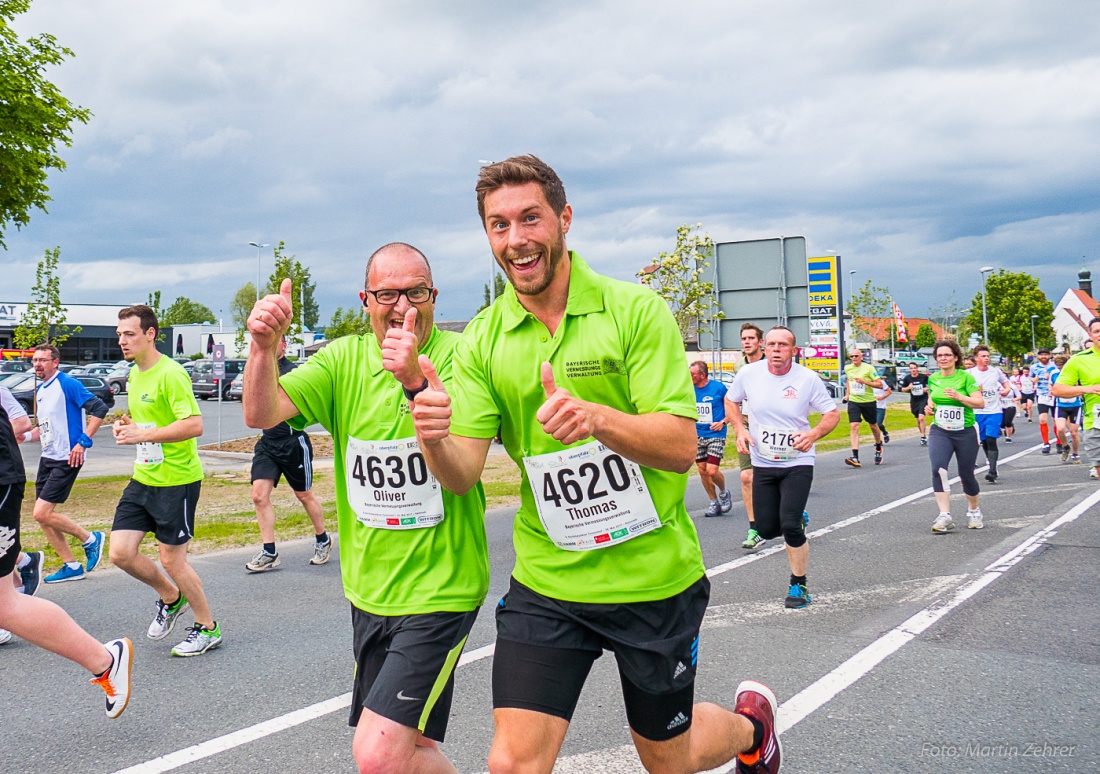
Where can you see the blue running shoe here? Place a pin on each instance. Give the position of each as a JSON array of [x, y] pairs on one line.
[[31, 575], [94, 552], [798, 597], [725, 501], [66, 573]]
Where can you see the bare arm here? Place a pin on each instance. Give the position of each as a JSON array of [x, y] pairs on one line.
[[21, 427], [265, 403], [127, 433], [1059, 390], [828, 421]]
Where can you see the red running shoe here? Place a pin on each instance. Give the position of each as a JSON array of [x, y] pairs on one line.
[[756, 700]]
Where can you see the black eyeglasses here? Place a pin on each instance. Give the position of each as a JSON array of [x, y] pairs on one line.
[[390, 296]]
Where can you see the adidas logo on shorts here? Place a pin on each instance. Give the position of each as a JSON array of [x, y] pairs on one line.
[[182, 534], [677, 721], [680, 669]]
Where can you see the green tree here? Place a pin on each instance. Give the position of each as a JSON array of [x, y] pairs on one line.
[[35, 118], [239, 309], [289, 266], [677, 277], [353, 322], [43, 321], [184, 311], [868, 305], [154, 304], [1012, 297], [925, 337], [499, 284]]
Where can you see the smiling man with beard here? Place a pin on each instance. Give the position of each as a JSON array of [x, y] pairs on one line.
[[584, 376]]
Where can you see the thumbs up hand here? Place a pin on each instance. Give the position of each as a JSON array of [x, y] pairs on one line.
[[399, 351], [565, 417], [271, 316], [431, 408]]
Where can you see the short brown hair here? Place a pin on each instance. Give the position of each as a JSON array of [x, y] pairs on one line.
[[145, 314], [701, 366], [520, 170], [979, 348], [952, 345], [752, 327], [55, 353]]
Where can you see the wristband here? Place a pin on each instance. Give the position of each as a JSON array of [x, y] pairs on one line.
[[410, 394], [84, 441], [27, 437]]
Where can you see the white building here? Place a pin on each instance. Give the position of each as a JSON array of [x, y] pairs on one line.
[[1073, 312]]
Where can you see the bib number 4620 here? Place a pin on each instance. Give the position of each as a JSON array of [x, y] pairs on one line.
[[586, 482]]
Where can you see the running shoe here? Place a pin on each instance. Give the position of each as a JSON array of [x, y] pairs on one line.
[[5, 636], [756, 700], [115, 682], [853, 461], [878, 456], [199, 640], [263, 561], [165, 619], [1046, 448], [885, 437], [321, 552], [991, 477], [923, 441], [725, 501], [798, 597], [1075, 459], [974, 519], [1008, 439], [713, 509], [66, 573], [94, 553], [943, 524], [754, 541], [1059, 448], [1065, 454], [1093, 473], [32, 573]]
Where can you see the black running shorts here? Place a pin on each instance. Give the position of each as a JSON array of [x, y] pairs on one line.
[[918, 405], [292, 459], [866, 412], [11, 500], [546, 647], [55, 480], [404, 667], [166, 511]]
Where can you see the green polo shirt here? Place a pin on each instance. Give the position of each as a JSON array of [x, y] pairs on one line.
[[160, 396], [1084, 369], [617, 345], [865, 371], [391, 572]]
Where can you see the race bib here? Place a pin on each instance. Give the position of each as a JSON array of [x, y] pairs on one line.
[[917, 390], [858, 388], [589, 497], [149, 453], [775, 443], [705, 412], [1096, 415], [950, 417], [1007, 402], [1046, 400], [389, 485], [46, 433]]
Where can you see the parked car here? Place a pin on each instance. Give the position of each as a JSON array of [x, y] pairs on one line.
[[203, 383], [236, 387], [889, 374], [7, 380], [14, 366], [98, 387], [22, 389], [115, 378]]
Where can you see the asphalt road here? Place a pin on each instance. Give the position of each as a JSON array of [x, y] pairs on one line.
[[976, 651]]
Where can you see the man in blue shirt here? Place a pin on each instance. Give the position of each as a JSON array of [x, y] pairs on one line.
[[1043, 374], [711, 429]]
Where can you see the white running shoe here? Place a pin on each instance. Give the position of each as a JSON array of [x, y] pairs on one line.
[[974, 519], [943, 524], [115, 682], [5, 636]]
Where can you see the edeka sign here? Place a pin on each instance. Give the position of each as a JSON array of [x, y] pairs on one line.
[[824, 352]]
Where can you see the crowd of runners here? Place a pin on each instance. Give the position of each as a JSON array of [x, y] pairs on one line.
[[582, 378]]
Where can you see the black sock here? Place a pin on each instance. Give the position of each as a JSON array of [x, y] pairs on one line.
[[321, 539], [757, 733], [878, 447], [179, 596], [269, 549], [798, 580], [855, 453]]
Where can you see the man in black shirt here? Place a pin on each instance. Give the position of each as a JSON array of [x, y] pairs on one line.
[[916, 384], [284, 451]]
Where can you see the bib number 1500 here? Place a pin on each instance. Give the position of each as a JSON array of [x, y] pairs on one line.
[[393, 470], [586, 482]]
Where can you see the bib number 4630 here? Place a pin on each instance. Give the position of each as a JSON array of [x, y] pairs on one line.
[[569, 485], [393, 470]]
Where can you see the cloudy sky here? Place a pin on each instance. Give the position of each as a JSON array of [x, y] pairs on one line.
[[919, 140]]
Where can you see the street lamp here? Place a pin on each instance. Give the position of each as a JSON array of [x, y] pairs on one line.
[[258, 247], [1034, 317], [985, 320]]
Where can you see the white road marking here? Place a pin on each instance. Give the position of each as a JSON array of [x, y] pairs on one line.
[[791, 712]]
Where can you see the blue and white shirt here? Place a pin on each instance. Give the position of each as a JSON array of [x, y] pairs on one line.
[[61, 414], [1044, 377]]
